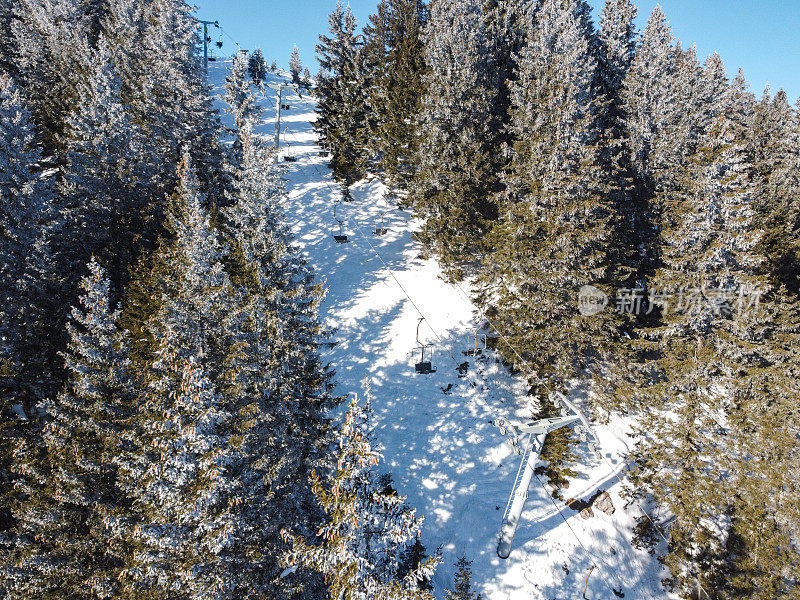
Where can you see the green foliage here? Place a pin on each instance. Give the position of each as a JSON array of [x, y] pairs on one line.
[[394, 67], [367, 526], [342, 106], [462, 586]]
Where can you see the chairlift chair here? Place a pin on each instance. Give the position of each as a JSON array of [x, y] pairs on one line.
[[476, 344], [423, 367], [341, 238], [286, 107], [380, 229]]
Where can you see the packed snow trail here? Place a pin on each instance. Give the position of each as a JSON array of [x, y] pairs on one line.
[[436, 431]]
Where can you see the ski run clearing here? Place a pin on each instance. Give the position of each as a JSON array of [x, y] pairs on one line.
[[436, 431]]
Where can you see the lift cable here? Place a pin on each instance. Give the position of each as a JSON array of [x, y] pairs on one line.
[[441, 340]]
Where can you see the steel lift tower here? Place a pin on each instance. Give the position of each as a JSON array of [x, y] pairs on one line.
[[537, 432]]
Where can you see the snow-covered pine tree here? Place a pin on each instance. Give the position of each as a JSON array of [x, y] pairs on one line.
[[366, 528], [196, 291], [240, 99], [342, 106], [295, 66], [52, 54], [715, 355], [616, 50], [257, 67], [154, 48], [277, 374], [27, 358], [26, 219], [265, 263], [105, 179], [186, 498], [63, 546], [617, 36], [763, 454], [274, 66], [414, 555], [648, 99], [462, 585], [506, 27], [460, 154], [238, 94], [7, 46], [775, 149], [557, 229], [394, 70], [306, 80], [217, 387]]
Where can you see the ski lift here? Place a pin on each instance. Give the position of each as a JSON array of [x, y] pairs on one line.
[[341, 238], [380, 229], [476, 344], [289, 157], [286, 107], [423, 367], [536, 433]]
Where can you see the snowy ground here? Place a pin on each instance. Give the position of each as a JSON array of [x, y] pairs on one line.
[[436, 430]]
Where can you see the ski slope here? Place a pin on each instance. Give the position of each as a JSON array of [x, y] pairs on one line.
[[436, 431]]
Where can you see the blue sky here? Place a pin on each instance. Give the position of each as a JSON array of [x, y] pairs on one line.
[[759, 35]]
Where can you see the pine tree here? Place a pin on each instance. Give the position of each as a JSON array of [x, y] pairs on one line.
[[64, 548], [180, 479], [226, 455], [26, 215], [649, 99], [295, 66], [617, 41], [257, 67], [153, 45], [414, 556], [26, 222], [342, 106], [7, 46], [506, 25], [459, 156], [557, 230], [394, 70], [240, 99], [278, 375], [104, 179], [775, 133], [306, 78], [366, 528], [462, 586], [52, 55], [717, 366], [195, 289]]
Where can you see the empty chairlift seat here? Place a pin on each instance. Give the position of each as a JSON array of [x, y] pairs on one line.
[[423, 367], [341, 238]]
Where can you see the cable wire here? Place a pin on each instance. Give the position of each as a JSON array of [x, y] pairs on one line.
[[441, 340]]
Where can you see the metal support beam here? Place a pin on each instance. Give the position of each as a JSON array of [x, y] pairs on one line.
[[537, 432], [205, 40], [280, 87], [519, 495]]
